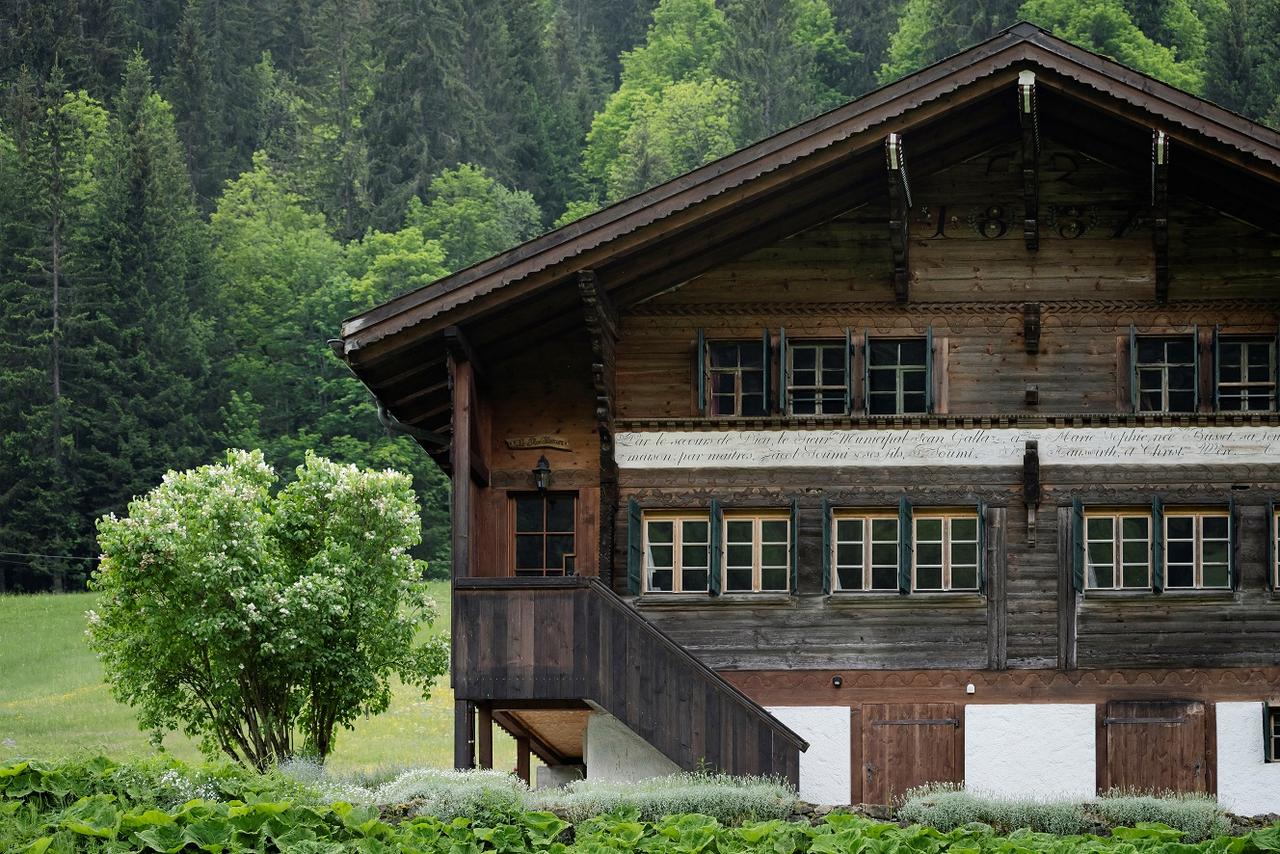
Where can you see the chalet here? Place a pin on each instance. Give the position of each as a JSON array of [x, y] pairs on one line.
[[933, 439]]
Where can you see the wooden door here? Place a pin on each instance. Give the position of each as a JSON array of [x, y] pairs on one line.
[[1157, 746], [905, 745]]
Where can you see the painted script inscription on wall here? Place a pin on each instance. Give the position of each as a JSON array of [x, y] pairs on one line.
[[1058, 446], [522, 443]]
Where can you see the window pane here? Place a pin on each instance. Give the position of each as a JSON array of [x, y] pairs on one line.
[[738, 531], [660, 556], [833, 404], [928, 578], [849, 554], [1215, 527], [773, 555], [738, 555], [1137, 576], [964, 578], [694, 532], [750, 355], [884, 530], [1099, 528], [1182, 401], [660, 580], [833, 359], [1151, 401], [913, 403], [1135, 551], [884, 578], [883, 404], [693, 556], [773, 530], [1134, 527], [913, 381], [1181, 527], [1182, 575], [963, 554], [912, 352], [884, 380], [929, 554], [738, 580], [1216, 575], [1215, 551], [1150, 350], [724, 384], [694, 580], [803, 403], [560, 513], [964, 529], [833, 377], [753, 406], [803, 377], [1101, 575], [529, 513], [528, 551], [662, 532], [1179, 350], [849, 530], [752, 382], [723, 405], [929, 529], [1180, 551], [802, 357], [773, 579], [884, 554], [883, 352], [724, 355], [850, 579]]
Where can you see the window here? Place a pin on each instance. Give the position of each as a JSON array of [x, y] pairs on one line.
[[1246, 374], [817, 378], [1165, 373], [1197, 550], [543, 525], [866, 551], [677, 550], [1271, 733], [737, 371], [757, 553], [897, 376], [1118, 550], [946, 552]]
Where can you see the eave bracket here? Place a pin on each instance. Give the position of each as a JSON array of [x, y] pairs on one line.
[[1030, 123], [899, 212]]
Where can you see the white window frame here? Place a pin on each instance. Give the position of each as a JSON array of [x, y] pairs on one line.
[[1164, 366], [899, 370], [757, 544], [1244, 386], [947, 517], [866, 566], [677, 520], [821, 391], [1117, 541], [1197, 549]]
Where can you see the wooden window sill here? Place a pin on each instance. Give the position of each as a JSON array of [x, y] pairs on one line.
[[862, 598], [702, 600], [1150, 597]]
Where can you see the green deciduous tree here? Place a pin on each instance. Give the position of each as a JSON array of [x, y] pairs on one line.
[[255, 620], [930, 30], [472, 216]]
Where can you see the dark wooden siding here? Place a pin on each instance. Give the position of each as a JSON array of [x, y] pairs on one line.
[[572, 639]]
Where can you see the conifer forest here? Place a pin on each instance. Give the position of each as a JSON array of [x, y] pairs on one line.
[[195, 193]]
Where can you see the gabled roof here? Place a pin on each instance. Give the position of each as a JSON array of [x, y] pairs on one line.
[[1122, 105]]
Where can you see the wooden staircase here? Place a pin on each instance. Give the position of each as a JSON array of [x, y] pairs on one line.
[[529, 643]]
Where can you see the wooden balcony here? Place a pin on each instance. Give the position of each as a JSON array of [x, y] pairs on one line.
[[540, 642]]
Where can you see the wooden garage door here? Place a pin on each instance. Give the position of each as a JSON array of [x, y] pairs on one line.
[[1158, 746], [905, 745]]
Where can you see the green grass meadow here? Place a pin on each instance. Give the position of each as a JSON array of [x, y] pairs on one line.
[[54, 703]]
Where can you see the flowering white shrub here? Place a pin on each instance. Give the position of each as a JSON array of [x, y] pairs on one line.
[[242, 617]]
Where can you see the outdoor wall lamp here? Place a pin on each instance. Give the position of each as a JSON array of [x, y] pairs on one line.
[[542, 474], [836, 681]]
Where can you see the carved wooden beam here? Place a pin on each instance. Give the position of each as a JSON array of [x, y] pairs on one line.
[[464, 374], [1031, 327], [1031, 486], [1030, 123], [601, 320], [1160, 210], [899, 212]]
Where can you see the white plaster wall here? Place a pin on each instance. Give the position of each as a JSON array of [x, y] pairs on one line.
[[824, 767], [1031, 749], [1247, 785], [613, 753]]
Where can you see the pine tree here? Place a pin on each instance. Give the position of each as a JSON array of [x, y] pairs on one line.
[[1243, 62], [930, 30], [81, 37]]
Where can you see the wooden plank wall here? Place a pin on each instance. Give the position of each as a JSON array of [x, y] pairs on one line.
[[572, 639]]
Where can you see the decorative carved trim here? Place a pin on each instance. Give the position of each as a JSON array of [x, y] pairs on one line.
[[921, 314], [954, 421]]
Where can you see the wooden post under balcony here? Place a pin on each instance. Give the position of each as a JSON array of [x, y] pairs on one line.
[[522, 758], [484, 736]]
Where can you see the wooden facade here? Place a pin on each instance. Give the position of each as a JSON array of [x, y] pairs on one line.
[[1036, 220]]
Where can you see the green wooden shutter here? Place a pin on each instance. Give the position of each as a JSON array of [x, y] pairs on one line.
[[1157, 544], [906, 540], [635, 547], [1195, 361], [928, 370], [826, 546], [1133, 367], [766, 360], [982, 547], [701, 368], [716, 548], [1271, 544], [1233, 568], [1077, 545], [866, 371], [784, 374], [795, 542], [1217, 368], [848, 371]]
